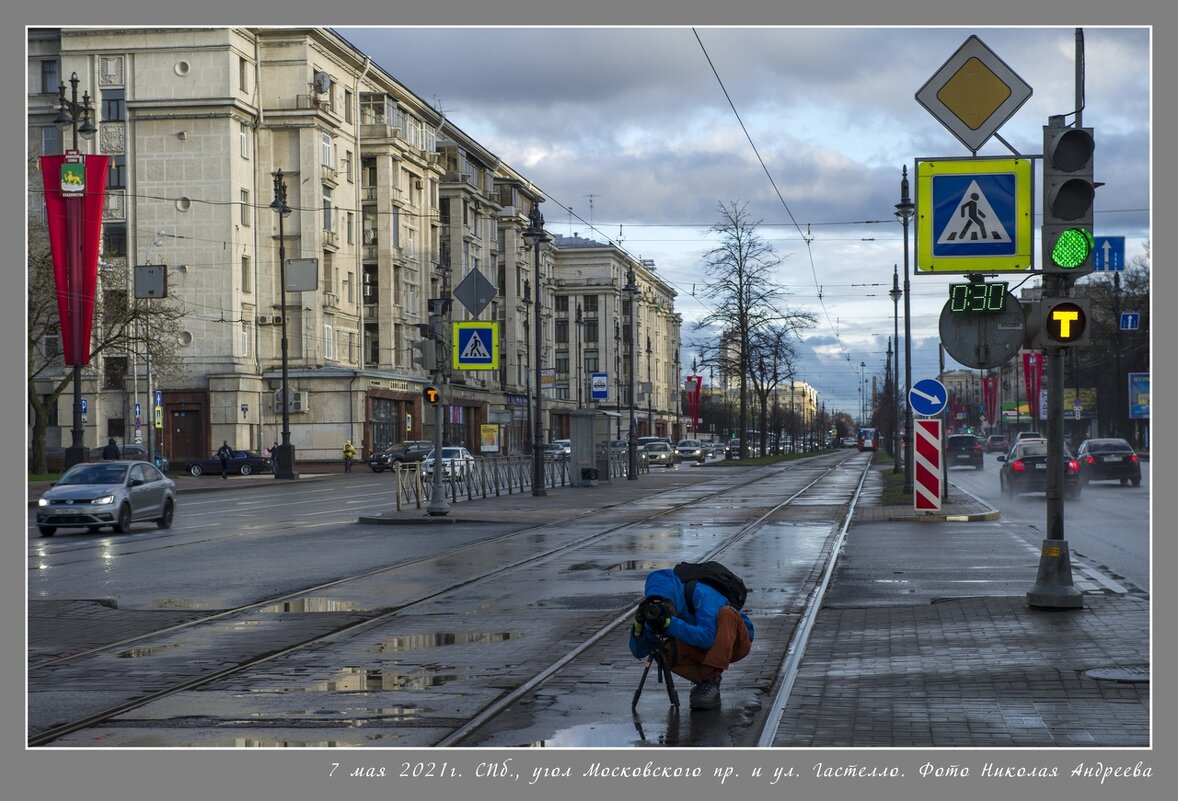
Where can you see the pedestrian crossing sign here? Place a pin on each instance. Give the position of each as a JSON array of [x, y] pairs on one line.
[[476, 346], [974, 215]]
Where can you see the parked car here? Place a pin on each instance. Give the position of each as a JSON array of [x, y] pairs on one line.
[[456, 461], [963, 449], [1024, 469], [997, 443], [115, 494], [559, 448], [139, 453], [243, 462], [691, 450], [407, 452], [850, 442], [1108, 459], [660, 453]]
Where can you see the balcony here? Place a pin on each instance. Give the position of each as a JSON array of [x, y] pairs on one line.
[[330, 300], [331, 239], [329, 175]]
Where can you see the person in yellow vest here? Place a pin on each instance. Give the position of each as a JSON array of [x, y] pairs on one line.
[[349, 454]]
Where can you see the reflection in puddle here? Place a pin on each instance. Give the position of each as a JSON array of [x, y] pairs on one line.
[[136, 653], [383, 713], [634, 564], [604, 735], [363, 680], [311, 604], [413, 642]]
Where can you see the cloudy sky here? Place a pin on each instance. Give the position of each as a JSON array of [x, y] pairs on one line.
[[635, 135]]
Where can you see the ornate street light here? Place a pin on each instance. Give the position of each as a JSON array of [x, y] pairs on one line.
[[528, 351], [69, 112], [904, 211], [285, 459], [535, 237], [631, 290]]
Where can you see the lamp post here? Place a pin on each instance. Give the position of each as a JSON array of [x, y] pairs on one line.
[[862, 394], [617, 380], [284, 462], [649, 392], [528, 351], [580, 323], [535, 237], [895, 296], [631, 289], [904, 211], [69, 112]]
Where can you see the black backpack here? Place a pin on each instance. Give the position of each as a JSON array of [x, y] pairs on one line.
[[716, 576]]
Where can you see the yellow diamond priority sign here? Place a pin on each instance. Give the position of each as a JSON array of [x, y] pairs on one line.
[[973, 93]]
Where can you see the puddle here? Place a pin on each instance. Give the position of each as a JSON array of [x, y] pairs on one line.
[[312, 604], [382, 713], [364, 680], [183, 603], [137, 653], [605, 735], [414, 642], [634, 564]]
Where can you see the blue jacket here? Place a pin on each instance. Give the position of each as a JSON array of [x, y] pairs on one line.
[[698, 629]]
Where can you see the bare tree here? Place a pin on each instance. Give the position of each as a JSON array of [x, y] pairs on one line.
[[749, 305]]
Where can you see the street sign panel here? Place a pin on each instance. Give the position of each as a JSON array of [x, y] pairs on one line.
[[928, 397], [1130, 321], [927, 465], [475, 292], [1108, 253], [599, 386], [973, 215], [973, 93], [476, 346]]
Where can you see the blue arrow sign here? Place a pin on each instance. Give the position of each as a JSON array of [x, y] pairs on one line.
[[83, 406], [928, 397], [1108, 253], [1130, 321]]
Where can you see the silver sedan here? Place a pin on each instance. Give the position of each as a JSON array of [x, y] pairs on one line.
[[115, 494]]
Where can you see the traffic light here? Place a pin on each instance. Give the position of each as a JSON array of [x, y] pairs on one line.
[[1068, 195], [1064, 323], [425, 354], [431, 395]]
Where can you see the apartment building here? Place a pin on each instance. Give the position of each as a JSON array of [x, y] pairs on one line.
[[390, 206]]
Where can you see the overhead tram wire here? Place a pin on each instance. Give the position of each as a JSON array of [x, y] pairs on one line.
[[753, 145]]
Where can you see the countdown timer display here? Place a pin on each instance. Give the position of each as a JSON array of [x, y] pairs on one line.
[[977, 297]]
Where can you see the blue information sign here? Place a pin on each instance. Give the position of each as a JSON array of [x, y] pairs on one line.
[[928, 397], [1108, 253]]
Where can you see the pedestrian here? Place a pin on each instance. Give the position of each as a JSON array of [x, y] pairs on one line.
[[272, 451], [224, 453], [698, 646], [111, 449], [349, 454]]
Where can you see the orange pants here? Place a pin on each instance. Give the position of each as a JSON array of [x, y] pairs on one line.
[[732, 644]]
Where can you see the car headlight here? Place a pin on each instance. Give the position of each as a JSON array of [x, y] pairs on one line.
[[105, 500], [42, 502]]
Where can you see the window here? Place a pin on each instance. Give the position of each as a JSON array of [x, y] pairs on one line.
[[116, 173], [245, 338], [51, 140], [50, 78], [243, 74], [51, 346], [590, 330], [328, 337], [591, 303], [346, 166], [561, 331], [348, 101], [245, 208], [114, 105], [114, 239], [245, 140], [114, 372], [562, 363], [327, 210], [349, 288], [562, 303], [350, 222], [592, 362], [325, 150], [247, 279]]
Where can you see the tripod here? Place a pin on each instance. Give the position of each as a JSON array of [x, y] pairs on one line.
[[664, 675]]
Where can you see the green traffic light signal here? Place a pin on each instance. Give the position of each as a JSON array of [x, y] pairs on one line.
[[1072, 248]]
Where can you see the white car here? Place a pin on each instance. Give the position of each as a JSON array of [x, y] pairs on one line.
[[456, 461], [559, 448]]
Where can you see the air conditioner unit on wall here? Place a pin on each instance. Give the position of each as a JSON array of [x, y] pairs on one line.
[[263, 320], [299, 401]]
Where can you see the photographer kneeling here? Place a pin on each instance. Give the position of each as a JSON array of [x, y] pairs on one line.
[[697, 645]]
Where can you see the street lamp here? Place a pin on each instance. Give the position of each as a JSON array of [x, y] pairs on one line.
[[862, 393], [535, 237], [528, 349], [895, 296], [580, 322], [69, 111], [285, 460], [631, 289], [649, 392], [617, 380], [904, 211]]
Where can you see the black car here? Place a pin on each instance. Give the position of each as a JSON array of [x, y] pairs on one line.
[[407, 452], [963, 449], [1108, 459], [242, 462], [1024, 469]]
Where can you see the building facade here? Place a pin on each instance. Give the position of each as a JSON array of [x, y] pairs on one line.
[[391, 208]]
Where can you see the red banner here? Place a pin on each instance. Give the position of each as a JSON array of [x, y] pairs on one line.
[[990, 398], [1033, 378], [75, 233], [692, 387]]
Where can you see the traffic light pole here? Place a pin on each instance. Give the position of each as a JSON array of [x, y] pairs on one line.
[[438, 505]]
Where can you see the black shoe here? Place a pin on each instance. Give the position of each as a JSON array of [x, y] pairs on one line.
[[706, 694]]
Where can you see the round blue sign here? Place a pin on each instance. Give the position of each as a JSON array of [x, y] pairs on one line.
[[928, 397]]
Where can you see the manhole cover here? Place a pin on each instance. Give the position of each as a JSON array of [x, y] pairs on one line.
[[1131, 674]]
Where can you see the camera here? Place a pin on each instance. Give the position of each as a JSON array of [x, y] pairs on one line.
[[653, 611]]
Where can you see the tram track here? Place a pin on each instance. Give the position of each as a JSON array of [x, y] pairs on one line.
[[376, 618]]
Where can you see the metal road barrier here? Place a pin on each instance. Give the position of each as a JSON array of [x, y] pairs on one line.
[[490, 476]]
